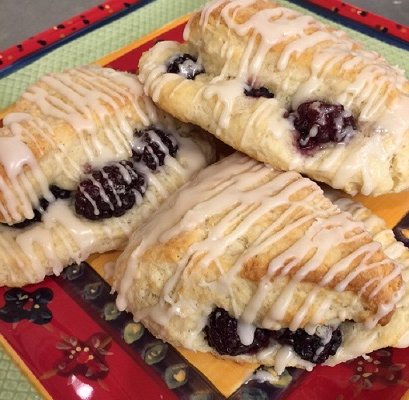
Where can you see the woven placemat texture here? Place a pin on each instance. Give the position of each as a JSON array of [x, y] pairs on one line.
[[96, 44], [117, 34], [13, 383]]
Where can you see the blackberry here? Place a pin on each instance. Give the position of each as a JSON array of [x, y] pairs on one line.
[[259, 92], [184, 65], [315, 348], [60, 193], [113, 189], [109, 191], [318, 123], [43, 204], [152, 145], [221, 334]]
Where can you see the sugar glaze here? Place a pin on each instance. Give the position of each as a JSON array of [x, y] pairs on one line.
[[230, 189], [102, 107]]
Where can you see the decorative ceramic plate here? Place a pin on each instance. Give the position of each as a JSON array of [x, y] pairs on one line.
[[72, 342]]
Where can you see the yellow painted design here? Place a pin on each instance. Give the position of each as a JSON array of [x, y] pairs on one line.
[[391, 207], [405, 396], [227, 376], [98, 263]]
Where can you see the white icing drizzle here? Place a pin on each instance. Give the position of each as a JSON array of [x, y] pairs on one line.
[[300, 45], [42, 237], [88, 98], [62, 228], [231, 187], [15, 155], [300, 33], [376, 88], [246, 332], [226, 93], [38, 243], [285, 355]]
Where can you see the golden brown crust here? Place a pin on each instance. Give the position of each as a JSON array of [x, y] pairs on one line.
[[63, 129], [246, 264], [314, 62], [75, 124], [202, 39], [174, 302]]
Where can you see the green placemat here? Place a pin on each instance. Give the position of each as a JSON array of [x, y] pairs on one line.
[[117, 34], [13, 383], [94, 45]]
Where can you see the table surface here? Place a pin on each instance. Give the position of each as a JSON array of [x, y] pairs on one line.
[[35, 16]]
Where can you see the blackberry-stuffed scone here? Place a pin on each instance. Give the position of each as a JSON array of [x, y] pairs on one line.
[[85, 157], [287, 90], [358, 339], [256, 265]]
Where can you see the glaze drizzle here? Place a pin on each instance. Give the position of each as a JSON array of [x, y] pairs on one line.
[[229, 189], [102, 107], [62, 237], [263, 44]]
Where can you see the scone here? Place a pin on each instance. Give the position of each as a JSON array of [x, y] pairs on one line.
[[85, 158], [256, 265], [358, 339], [287, 90]]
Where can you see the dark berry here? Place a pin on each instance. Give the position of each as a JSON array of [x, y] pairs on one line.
[[59, 193], [315, 348], [221, 334], [318, 123], [184, 65], [38, 212], [152, 145], [283, 336], [110, 191], [258, 92], [43, 204]]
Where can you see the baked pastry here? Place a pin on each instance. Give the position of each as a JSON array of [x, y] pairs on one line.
[[287, 90], [255, 265], [358, 339], [85, 158]]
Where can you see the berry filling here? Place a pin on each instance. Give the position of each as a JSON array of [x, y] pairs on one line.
[[43, 204], [115, 188], [318, 123], [184, 65], [259, 92], [151, 147], [315, 348], [109, 191], [221, 334]]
